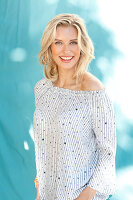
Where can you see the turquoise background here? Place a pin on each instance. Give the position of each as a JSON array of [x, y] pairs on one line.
[[21, 27]]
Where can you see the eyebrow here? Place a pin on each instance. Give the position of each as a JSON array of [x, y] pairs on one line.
[[70, 40]]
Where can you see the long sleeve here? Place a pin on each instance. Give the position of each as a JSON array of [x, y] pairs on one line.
[[36, 143], [103, 124], [37, 89]]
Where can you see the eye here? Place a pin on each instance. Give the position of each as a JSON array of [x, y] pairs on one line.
[[73, 42], [58, 42]]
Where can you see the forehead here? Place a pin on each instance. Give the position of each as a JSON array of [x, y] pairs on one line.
[[66, 31]]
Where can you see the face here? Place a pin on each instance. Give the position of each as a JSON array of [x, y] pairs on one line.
[[65, 48]]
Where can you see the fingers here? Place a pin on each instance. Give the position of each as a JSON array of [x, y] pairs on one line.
[[37, 185], [37, 188], [38, 196]]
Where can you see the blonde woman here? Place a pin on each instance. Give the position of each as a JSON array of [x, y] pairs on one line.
[[74, 123]]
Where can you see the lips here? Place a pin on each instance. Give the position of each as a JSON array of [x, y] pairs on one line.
[[66, 58]]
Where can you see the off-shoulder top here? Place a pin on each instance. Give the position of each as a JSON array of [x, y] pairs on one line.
[[75, 141]]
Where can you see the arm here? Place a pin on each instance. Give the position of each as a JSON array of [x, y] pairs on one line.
[[36, 141], [103, 124], [36, 157]]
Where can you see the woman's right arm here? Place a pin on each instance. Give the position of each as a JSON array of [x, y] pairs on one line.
[[37, 188]]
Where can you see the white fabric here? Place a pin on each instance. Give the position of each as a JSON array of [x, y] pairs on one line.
[[75, 142]]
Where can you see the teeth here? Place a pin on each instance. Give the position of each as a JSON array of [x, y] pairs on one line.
[[66, 58]]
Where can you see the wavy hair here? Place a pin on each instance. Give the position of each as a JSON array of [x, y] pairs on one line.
[[84, 42]]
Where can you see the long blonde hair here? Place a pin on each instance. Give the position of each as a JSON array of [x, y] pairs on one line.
[[84, 42]]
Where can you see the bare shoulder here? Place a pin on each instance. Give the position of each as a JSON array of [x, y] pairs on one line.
[[91, 82]]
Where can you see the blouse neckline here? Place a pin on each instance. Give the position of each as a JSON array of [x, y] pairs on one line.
[[66, 90]]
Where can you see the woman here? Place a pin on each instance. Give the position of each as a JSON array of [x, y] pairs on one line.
[[74, 123]]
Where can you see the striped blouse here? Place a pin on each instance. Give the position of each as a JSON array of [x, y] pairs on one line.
[[75, 142]]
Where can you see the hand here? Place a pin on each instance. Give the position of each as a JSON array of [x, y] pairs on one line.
[[37, 188], [87, 194]]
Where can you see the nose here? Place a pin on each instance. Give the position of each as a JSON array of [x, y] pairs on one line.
[[66, 48]]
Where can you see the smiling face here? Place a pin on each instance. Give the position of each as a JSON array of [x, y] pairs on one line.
[[65, 49]]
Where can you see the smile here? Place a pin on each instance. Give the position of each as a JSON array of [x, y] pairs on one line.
[[66, 58]]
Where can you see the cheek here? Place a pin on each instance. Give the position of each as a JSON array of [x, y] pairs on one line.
[[55, 50], [77, 51]]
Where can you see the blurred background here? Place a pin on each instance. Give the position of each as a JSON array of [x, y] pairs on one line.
[[21, 26]]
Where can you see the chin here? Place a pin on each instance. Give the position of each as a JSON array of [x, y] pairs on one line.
[[67, 66]]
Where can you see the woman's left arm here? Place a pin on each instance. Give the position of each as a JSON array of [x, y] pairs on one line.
[[103, 125], [103, 179]]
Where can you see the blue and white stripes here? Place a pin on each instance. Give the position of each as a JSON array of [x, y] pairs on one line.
[[75, 142]]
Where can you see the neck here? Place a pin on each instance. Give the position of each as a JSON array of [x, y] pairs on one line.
[[65, 79]]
